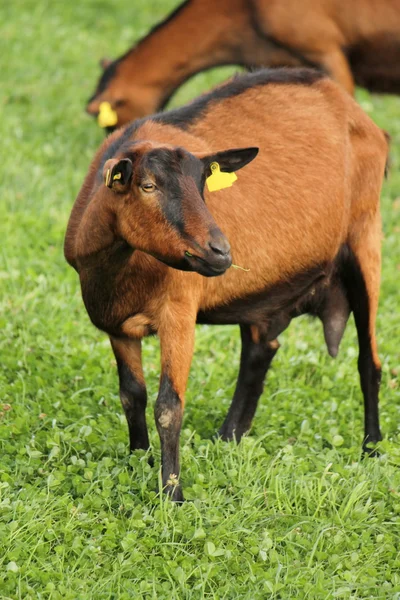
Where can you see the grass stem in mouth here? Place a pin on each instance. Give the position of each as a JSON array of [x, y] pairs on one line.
[[241, 268], [233, 266]]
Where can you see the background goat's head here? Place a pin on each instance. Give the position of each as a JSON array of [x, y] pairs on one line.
[[125, 101]]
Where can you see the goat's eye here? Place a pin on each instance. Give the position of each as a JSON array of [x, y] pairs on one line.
[[148, 187]]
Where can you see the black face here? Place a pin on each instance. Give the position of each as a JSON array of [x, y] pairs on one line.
[[164, 213], [179, 178]]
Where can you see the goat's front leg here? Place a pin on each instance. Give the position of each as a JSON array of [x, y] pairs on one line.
[[132, 389], [177, 341]]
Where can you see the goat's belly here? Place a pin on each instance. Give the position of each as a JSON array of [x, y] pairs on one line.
[[276, 305]]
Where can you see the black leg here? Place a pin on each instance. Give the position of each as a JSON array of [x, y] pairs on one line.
[[132, 390], [168, 414], [256, 357], [177, 342], [134, 400], [370, 377], [362, 286]]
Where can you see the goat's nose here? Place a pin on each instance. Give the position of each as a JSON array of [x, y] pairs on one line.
[[220, 246], [219, 255]]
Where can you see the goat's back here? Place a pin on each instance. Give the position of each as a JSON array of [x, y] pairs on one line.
[[320, 165]]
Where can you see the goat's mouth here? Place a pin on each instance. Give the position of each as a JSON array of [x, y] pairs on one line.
[[208, 268]]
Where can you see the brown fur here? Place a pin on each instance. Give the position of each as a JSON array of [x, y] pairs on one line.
[[313, 189], [352, 40]]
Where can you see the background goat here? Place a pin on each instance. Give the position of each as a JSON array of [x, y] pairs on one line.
[[357, 41]]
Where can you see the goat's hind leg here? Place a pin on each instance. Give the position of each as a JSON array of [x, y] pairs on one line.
[[361, 275], [256, 357]]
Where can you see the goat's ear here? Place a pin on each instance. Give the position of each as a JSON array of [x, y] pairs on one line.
[[105, 62], [117, 174], [230, 160]]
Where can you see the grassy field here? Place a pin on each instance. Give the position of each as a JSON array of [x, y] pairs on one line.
[[293, 512]]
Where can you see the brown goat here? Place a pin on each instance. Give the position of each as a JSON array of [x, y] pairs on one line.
[[351, 40], [303, 217]]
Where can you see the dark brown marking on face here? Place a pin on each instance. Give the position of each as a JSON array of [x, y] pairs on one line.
[[179, 177]]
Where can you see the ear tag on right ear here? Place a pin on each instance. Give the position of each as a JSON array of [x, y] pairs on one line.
[[218, 180], [108, 177]]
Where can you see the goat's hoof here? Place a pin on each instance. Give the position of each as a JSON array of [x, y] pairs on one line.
[[370, 450], [175, 493], [150, 458], [173, 489], [219, 436], [226, 435]]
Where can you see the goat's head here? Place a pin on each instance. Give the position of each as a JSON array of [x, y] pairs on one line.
[[117, 100], [157, 198]]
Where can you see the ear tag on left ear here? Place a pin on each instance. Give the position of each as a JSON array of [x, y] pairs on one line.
[[107, 116], [218, 180]]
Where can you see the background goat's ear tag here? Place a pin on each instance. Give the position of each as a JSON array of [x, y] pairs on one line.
[[217, 180], [107, 116]]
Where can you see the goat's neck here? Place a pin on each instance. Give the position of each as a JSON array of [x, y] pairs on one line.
[[96, 237], [195, 39]]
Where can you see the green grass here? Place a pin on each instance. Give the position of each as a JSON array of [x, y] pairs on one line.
[[290, 513]]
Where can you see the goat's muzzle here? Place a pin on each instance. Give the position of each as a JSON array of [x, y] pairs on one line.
[[215, 257]]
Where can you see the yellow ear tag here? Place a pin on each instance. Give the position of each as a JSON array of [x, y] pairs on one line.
[[108, 177], [217, 180], [107, 116]]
